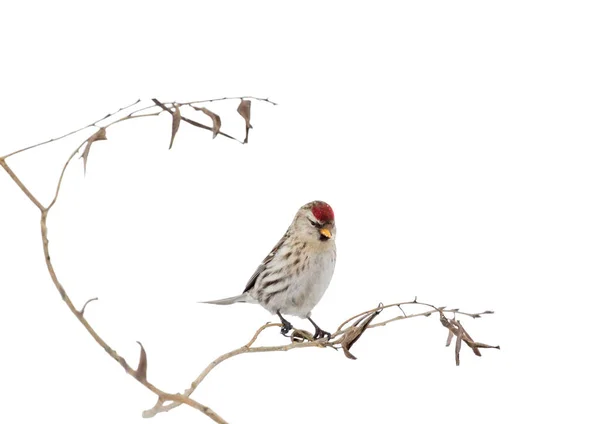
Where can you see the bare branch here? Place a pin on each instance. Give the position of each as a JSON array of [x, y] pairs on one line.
[[346, 335], [343, 339], [93, 124], [233, 98], [140, 374], [17, 181]]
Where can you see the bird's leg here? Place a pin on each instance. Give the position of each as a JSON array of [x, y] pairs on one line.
[[319, 334], [287, 326]]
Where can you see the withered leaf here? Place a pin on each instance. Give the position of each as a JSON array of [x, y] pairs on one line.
[[299, 336], [216, 120], [354, 333], [244, 110], [450, 337], [140, 373], [467, 338], [175, 126], [98, 135], [349, 338], [459, 337]]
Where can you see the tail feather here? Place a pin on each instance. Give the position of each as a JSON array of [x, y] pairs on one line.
[[244, 297]]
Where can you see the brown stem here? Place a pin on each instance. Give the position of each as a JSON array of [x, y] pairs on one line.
[[20, 184], [345, 336]]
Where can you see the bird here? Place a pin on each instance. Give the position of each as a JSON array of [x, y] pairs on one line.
[[293, 277]]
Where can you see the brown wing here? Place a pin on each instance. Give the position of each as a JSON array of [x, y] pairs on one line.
[[264, 263]]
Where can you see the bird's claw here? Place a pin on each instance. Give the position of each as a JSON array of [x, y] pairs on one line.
[[319, 334], [286, 328]]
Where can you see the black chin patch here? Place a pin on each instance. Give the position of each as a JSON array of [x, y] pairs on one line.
[[323, 238]]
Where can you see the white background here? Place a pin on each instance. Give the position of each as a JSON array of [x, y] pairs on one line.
[[456, 141]]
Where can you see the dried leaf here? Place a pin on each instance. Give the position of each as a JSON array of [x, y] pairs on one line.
[[244, 110], [299, 336], [216, 120], [459, 337], [98, 135], [140, 373], [468, 339], [450, 337], [175, 126], [349, 338], [354, 333], [485, 346]]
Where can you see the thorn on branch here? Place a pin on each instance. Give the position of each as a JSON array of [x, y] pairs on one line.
[[140, 373], [82, 310]]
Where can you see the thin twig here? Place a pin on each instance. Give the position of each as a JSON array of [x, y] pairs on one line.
[[346, 335], [62, 174], [93, 124], [232, 98], [140, 373], [82, 311], [24, 189]]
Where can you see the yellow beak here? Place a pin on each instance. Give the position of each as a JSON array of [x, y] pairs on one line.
[[325, 232]]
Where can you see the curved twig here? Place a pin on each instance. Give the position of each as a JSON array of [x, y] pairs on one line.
[[343, 338]]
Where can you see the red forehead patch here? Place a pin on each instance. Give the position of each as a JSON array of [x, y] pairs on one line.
[[322, 211]]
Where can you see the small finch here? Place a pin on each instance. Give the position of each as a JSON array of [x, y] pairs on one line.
[[292, 278]]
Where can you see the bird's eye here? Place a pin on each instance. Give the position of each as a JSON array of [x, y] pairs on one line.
[[313, 223]]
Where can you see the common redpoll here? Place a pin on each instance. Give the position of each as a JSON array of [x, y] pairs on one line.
[[292, 278]]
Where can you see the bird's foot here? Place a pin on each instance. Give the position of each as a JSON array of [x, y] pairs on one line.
[[319, 334], [286, 325]]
